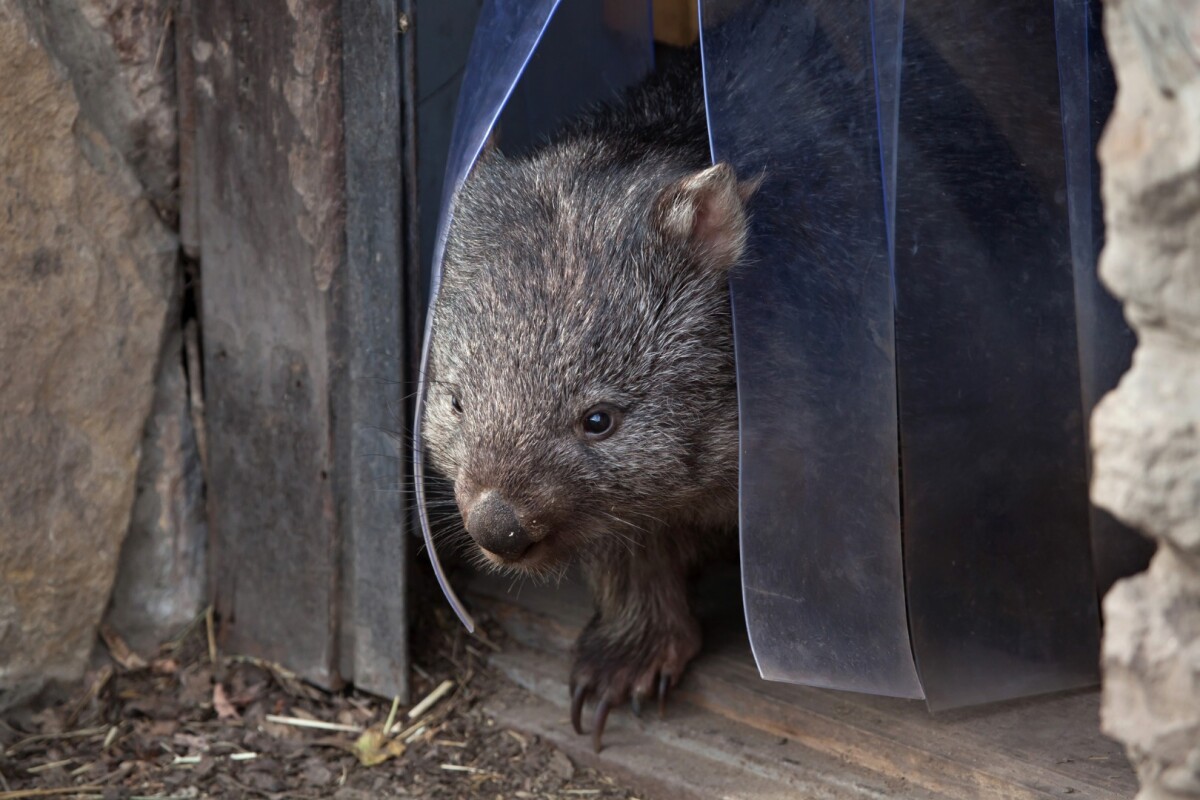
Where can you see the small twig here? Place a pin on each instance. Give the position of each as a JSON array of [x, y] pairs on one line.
[[49, 765], [47, 737], [212, 636], [20, 794], [391, 717], [110, 737], [481, 636], [118, 773], [430, 699], [313, 723], [162, 40], [415, 734], [191, 346], [187, 761], [459, 768], [421, 723], [120, 651]]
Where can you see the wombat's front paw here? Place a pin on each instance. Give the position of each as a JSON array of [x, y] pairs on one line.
[[614, 664]]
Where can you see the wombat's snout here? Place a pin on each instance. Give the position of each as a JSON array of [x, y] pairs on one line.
[[494, 526]]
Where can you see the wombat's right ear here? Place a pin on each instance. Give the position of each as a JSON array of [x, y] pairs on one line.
[[706, 210]]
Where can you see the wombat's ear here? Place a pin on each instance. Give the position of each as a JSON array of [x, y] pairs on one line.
[[707, 211]]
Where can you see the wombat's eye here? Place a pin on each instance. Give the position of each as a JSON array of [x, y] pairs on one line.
[[599, 423], [455, 404]]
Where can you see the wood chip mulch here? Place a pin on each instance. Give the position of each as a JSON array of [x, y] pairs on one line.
[[182, 725]]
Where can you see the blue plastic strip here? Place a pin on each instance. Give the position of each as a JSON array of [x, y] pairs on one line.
[[792, 95], [1106, 343], [532, 66], [506, 36], [999, 574], [887, 45]]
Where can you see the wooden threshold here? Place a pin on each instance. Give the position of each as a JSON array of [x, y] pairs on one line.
[[728, 733]]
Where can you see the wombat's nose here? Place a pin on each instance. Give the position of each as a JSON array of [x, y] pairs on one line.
[[494, 526]]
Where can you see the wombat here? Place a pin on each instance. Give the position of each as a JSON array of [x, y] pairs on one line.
[[582, 394]]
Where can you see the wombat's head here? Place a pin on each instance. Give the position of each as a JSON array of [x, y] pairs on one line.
[[581, 381]]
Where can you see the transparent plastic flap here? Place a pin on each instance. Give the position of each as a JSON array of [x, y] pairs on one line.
[[1001, 591], [792, 95], [1106, 342], [919, 332], [532, 65], [907, 348]]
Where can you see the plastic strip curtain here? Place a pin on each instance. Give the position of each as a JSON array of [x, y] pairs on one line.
[[914, 500], [910, 329], [822, 569], [1105, 341], [1001, 591], [515, 71]]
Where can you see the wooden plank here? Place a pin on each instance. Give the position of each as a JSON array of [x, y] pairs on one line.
[[1035, 748], [972, 757], [373, 363], [269, 179], [690, 754], [185, 72]]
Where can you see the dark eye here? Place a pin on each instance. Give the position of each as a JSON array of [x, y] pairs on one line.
[[455, 404], [599, 423]]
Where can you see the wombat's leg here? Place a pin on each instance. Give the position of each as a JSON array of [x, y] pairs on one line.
[[642, 636]]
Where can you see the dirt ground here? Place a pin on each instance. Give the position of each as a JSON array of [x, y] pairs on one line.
[[184, 725]]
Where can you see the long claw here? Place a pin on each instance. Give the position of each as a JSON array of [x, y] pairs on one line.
[[598, 726], [664, 683], [578, 695]]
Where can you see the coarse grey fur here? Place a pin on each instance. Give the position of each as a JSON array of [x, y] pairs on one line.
[[593, 272]]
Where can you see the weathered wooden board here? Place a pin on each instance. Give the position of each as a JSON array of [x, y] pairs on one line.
[[269, 177], [691, 755], [1036, 748], [185, 72], [304, 196], [372, 327]]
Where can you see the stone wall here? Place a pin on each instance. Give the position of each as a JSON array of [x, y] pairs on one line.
[[1146, 433], [88, 270], [162, 575], [119, 59]]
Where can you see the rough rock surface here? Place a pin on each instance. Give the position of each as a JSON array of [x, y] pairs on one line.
[[119, 57], [86, 269], [162, 578], [1146, 433]]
